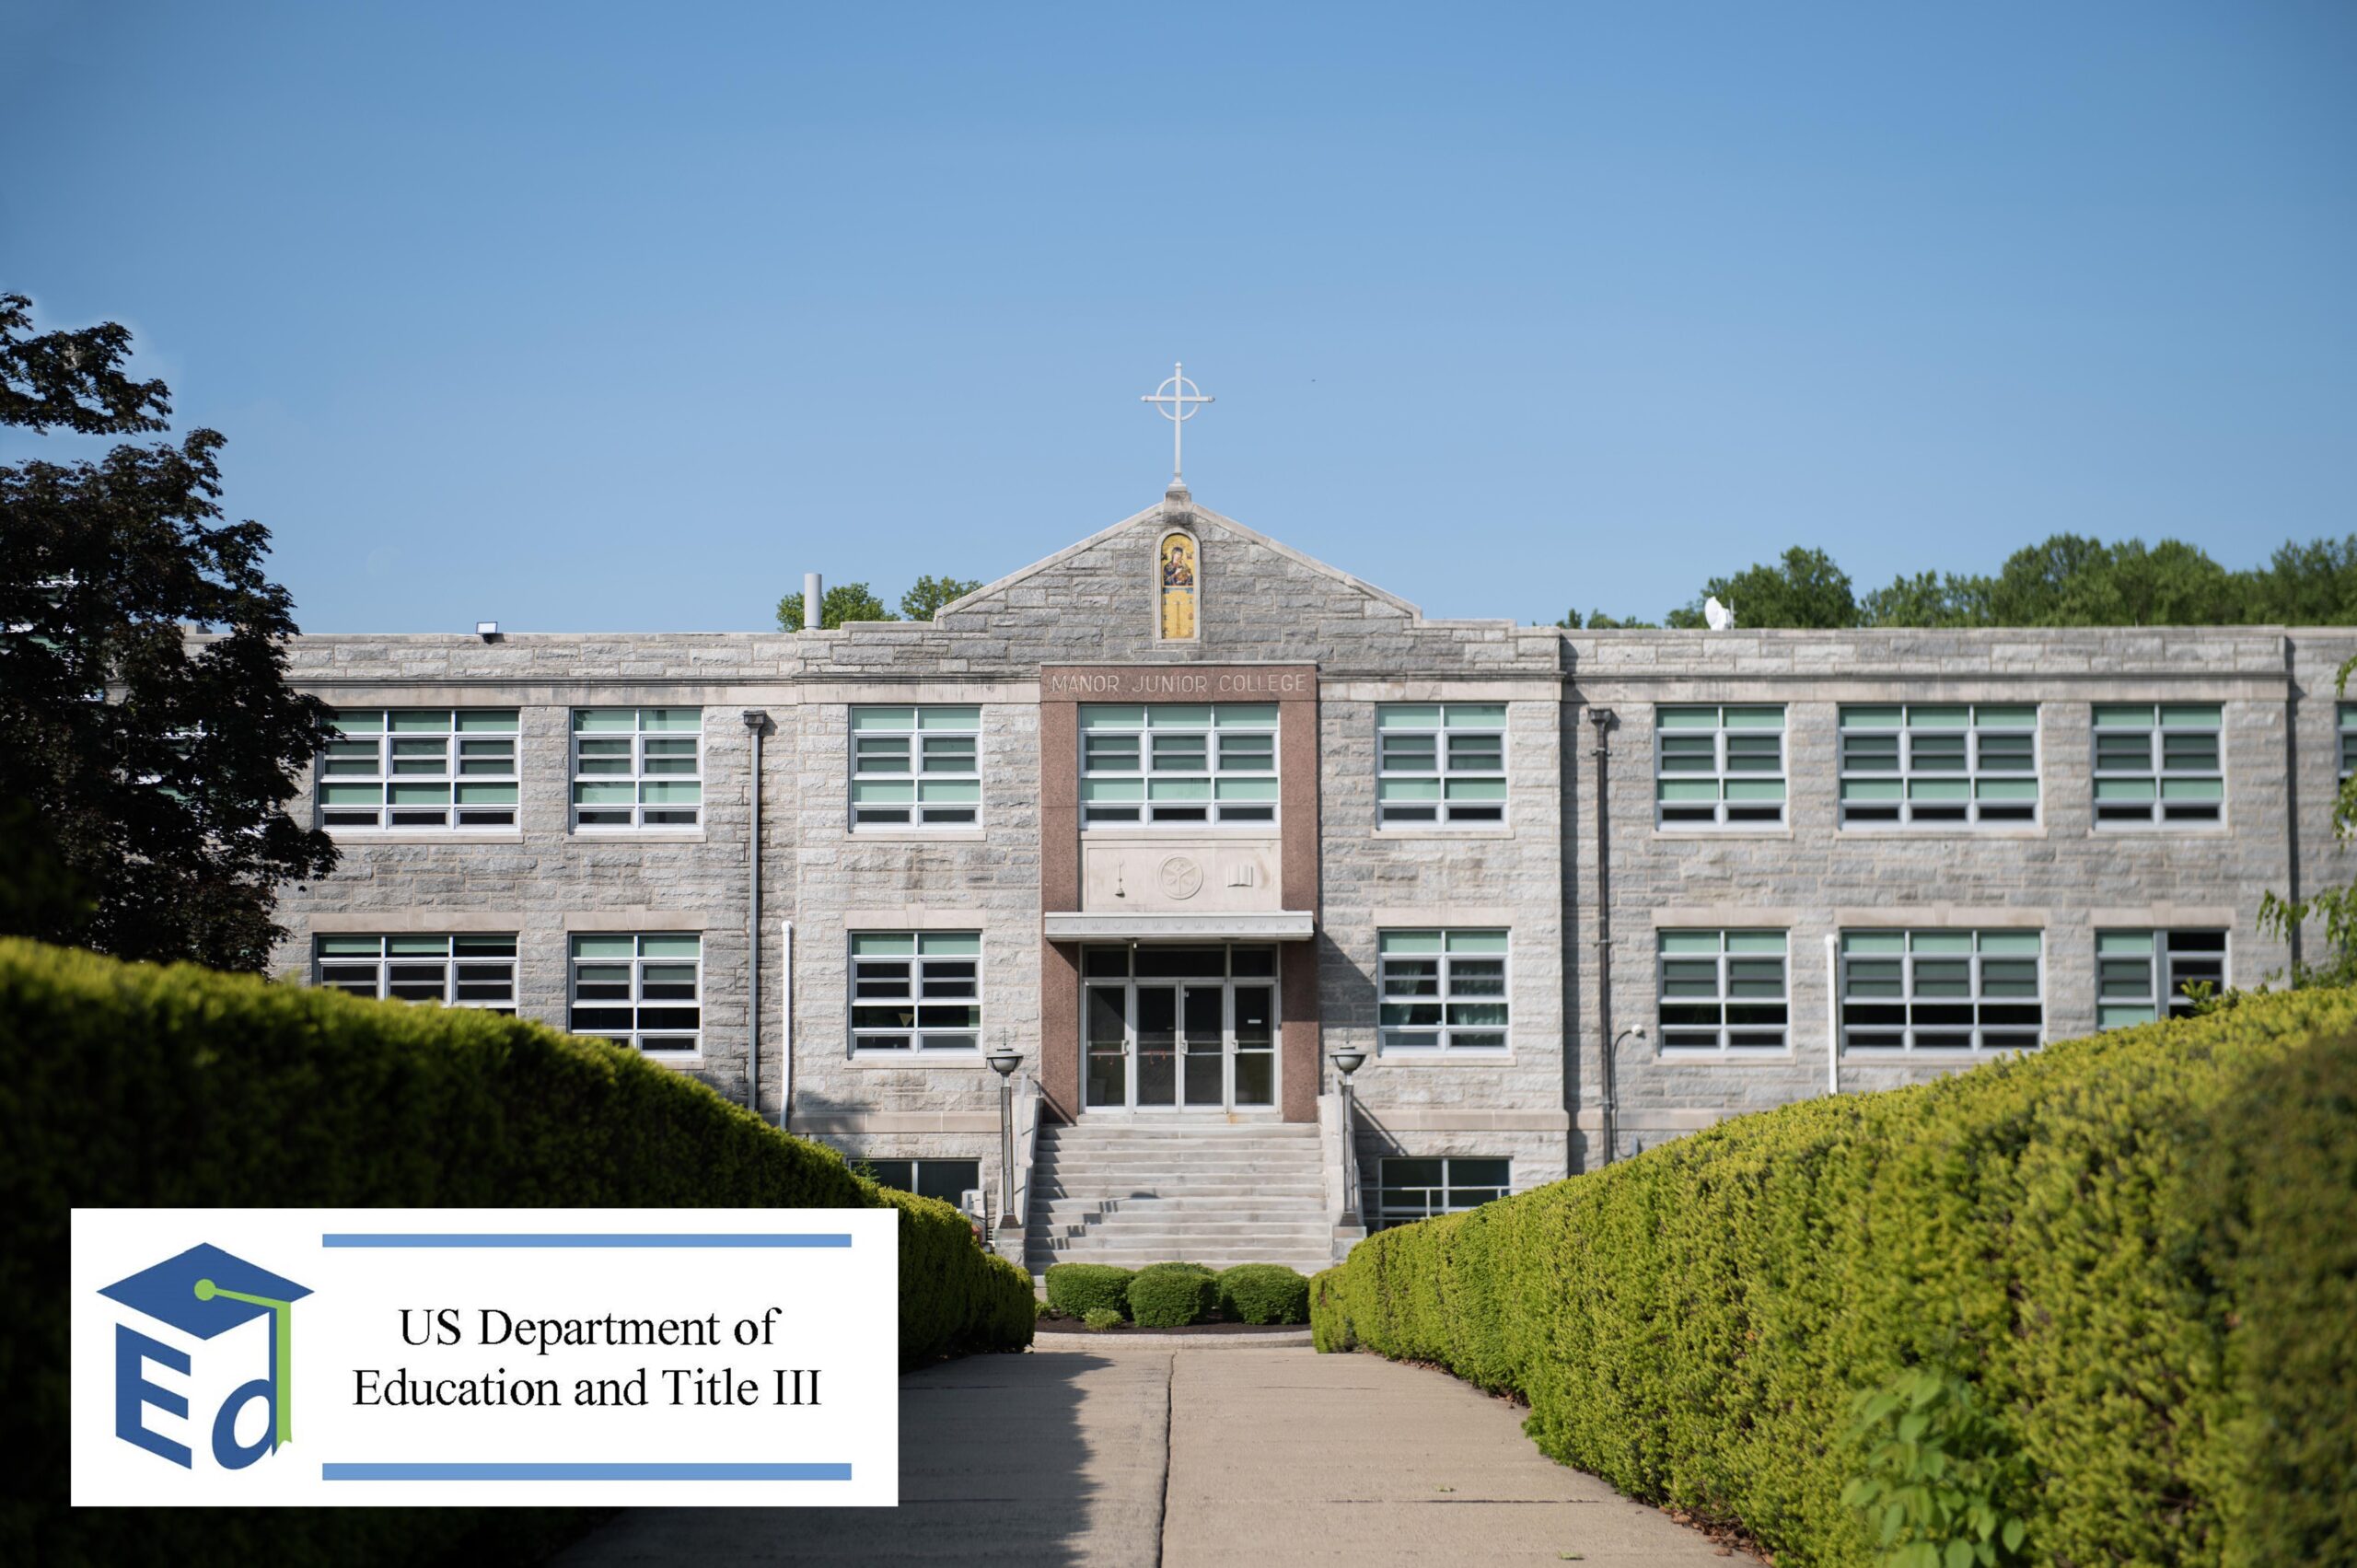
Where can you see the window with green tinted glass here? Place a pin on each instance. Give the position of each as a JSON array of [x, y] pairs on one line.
[[916, 767], [1156, 763], [420, 768], [1942, 990], [1440, 762], [1411, 1189], [1722, 991], [2141, 976], [1719, 766], [2158, 762], [1441, 991], [916, 990], [644, 990], [637, 767], [1947, 762]]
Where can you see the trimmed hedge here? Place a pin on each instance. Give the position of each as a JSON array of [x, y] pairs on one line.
[[1264, 1293], [1171, 1296], [128, 1084], [1078, 1289], [2141, 1248]]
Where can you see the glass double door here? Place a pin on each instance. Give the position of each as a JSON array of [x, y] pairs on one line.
[[1200, 1045]]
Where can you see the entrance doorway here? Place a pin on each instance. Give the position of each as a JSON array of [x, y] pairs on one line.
[[1180, 1028]]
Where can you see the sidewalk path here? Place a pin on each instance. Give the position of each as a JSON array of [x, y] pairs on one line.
[[1121, 1455]]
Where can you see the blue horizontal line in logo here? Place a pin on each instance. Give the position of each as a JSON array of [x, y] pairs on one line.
[[399, 1238], [624, 1472]]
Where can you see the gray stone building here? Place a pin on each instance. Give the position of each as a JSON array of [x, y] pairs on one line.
[[1179, 814]]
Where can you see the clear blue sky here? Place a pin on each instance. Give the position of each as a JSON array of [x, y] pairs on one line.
[[587, 317]]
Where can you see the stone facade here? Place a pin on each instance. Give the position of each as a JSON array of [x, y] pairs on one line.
[[1534, 874]]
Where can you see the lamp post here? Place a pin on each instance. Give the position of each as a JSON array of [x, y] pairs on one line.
[[1347, 1061], [1003, 1062]]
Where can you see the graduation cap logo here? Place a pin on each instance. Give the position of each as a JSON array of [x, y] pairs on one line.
[[205, 1292]]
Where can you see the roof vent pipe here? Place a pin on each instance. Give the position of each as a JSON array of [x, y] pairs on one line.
[[813, 595]]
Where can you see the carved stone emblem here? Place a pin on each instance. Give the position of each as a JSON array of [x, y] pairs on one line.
[[1182, 877]]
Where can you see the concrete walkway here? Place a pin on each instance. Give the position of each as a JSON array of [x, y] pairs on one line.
[[1114, 1455]]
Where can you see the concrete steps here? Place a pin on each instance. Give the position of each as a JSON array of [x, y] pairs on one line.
[[1131, 1194]]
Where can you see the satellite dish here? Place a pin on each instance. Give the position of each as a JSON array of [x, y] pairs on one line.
[[1717, 616]]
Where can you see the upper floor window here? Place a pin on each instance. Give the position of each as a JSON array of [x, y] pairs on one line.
[[1719, 766], [2158, 762], [916, 990], [1413, 1190], [1440, 762], [1939, 762], [1939, 991], [916, 767], [420, 768], [1178, 762], [1441, 991], [1722, 990], [461, 970], [637, 767], [2141, 976], [2348, 717], [644, 991]]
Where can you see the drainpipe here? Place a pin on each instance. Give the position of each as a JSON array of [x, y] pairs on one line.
[[755, 719], [1832, 1014], [1602, 719], [786, 1026]]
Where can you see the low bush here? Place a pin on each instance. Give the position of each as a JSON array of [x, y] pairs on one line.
[[1171, 1296], [1077, 1289], [1264, 1293], [128, 1086], [1100, 1318], [2137, 1253]]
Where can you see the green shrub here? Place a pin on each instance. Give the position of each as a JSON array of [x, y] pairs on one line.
[[1939, 1475], [1077, 1289], [1100, 1318], [130, 1086], [2139, 1249], [1171, 1295], [1264, 1293]]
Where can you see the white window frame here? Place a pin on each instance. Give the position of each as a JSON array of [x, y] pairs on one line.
[[1721, 795], [666, 1039], [1976, 807], [1416, 750], [1735, 956], [2167, 955], [2116, 786], [1938, 945], [476, 775], [872, 953], [470, 963], [649, 771], [1443, 1199], [927, 790], [867, 1165], [1236, 791], [1399, 949]]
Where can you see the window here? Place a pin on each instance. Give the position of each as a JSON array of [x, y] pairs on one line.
[[916, 990], [1193, 762], [916, 767], [1942, 990], [420, 768], [637, 767], [1440, 762], [2158, 762], [948, 1181], [2347, 715], [457, 971], [1719, 766], [2142, 975], [1442, 991], [1411, 1189], [1722, 990], [640, 990], [1939, 762]]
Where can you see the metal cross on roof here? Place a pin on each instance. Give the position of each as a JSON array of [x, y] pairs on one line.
[[1177, 401]]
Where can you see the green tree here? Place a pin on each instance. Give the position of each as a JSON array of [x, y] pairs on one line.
[[1928, 599], [845, 601], [1599, 621], [1803, 588], [929, 594], [151, 734]]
